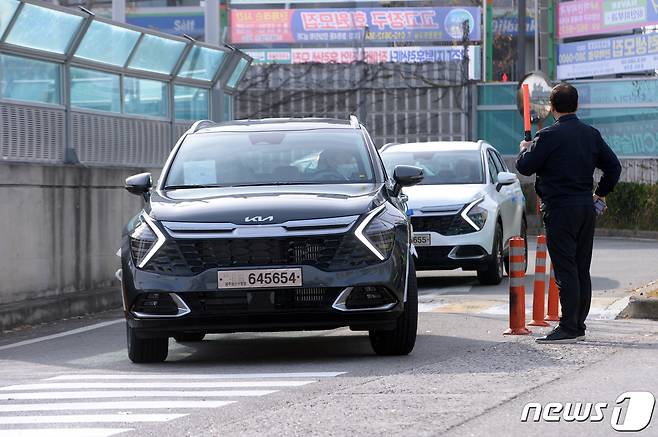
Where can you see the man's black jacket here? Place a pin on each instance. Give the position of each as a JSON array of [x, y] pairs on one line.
[[564, 157]]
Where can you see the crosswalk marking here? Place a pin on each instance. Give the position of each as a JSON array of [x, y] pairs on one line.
[[148, 376], [105, 394], [124, 398], [119, 405], [89, 418], [63, 432], [166, 384]]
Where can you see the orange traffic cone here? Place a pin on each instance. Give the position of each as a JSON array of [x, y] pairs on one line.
[[517, 288], [539, 293]]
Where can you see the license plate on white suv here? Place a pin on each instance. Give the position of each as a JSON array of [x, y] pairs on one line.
[[261, 278], [422, 239]]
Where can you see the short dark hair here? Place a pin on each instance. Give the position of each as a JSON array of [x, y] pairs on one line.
[[564, 98]]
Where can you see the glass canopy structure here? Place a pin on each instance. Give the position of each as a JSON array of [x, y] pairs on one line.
[[96, 70]]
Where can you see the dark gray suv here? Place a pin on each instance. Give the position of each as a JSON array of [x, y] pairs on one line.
[[270, 225]]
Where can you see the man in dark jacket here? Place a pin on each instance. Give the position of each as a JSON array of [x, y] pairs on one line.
[[564, 157]]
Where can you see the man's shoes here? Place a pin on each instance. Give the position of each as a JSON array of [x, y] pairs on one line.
[[558, 336]]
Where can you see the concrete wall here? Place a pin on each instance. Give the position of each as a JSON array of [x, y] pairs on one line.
[[60, 227]]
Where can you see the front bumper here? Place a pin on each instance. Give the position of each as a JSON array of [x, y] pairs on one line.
[[466, 251], [265, 309]]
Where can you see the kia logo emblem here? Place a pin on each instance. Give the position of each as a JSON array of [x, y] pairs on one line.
[[258, 219]]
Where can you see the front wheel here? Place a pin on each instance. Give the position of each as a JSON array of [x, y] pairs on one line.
[[146, 350], [492, 273], [402, 339]]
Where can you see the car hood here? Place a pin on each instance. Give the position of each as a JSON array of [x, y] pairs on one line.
[[424, 196], [236, 204]]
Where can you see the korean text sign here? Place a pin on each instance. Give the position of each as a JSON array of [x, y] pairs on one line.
[[254, 26]]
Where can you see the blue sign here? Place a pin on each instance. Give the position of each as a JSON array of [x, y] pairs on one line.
[[626, 54], [191, 24], [385, 24]]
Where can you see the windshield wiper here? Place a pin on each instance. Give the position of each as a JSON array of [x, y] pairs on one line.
[[263, 184], [182, 187]]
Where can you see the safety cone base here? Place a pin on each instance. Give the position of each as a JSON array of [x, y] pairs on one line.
[[517, 331], [539, 323]]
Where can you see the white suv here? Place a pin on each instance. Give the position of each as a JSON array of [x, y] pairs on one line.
[[465, 210]]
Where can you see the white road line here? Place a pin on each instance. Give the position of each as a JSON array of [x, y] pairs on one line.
[[61, 334], [64, 432], [189, 376], [119, 405], [89, 418], [164, 385], [106, 394]]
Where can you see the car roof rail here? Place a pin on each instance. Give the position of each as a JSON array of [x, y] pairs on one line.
[[354, 121], [387, 145], [200, 124]]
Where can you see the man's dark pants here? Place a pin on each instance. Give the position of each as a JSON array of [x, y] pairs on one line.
[[569, 238]]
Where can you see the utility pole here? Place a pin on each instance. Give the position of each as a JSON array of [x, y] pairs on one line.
[[487, 56], [119, 10], [211, 22], [521, 37]]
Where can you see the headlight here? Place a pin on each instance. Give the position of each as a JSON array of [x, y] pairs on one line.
[[376, 233], [145, 240], [475, 215]]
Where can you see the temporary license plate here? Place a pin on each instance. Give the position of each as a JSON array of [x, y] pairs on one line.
[[262, 278], [422, 239]]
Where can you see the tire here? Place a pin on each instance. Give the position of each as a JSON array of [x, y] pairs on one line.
[[524, 235], [146, 350], [402, 339], [189, 337], [492, 274]]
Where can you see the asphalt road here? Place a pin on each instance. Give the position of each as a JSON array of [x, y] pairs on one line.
[[464, 378]]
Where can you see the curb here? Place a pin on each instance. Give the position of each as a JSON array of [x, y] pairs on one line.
[[36, 311], [643, 303], [626, 233]]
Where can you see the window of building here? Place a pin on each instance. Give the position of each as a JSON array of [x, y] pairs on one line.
[[29, 79], [201, 63], [7, 9], [237, 73], [44, 29], [190, 103], [156, 54], [94, 46], [96, 90], [144, 97]]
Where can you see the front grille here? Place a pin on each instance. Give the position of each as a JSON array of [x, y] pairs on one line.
[[224, 302], [432, 253], [452, 224], [190, 257]]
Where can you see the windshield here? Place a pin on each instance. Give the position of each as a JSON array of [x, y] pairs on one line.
[[321, 156], [440, 167]]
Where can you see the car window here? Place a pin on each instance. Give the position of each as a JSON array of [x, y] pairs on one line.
[[500, 162], [274, 157], [439, 166], [493, 170]]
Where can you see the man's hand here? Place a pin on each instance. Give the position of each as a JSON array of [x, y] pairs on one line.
[[524, 145]]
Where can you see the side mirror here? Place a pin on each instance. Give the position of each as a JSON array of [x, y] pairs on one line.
[[139, 184], [506, 178], [406, 176]]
